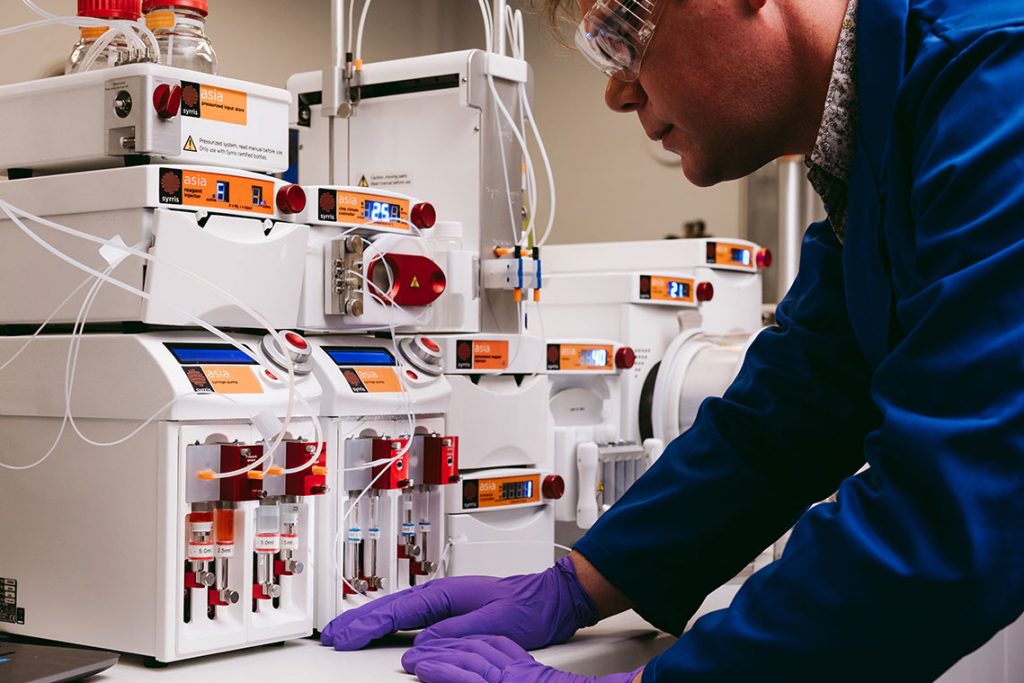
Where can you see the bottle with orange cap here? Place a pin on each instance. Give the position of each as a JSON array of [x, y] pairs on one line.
[[111, 10], [180, 29]]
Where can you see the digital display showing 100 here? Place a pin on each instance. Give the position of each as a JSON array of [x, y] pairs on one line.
[[381, 212]]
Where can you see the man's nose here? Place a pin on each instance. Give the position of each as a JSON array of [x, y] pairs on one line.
[[624, 96]]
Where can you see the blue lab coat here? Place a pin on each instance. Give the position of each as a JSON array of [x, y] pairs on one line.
[[902, 348]]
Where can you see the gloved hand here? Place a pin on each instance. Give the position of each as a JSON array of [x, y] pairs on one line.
[[488, 659], [533, 610]]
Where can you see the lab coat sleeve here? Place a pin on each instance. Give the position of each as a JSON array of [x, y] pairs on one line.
[[784, 435], [922, 558]]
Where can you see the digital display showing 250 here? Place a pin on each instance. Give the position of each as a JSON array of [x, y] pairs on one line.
[[381, 212]]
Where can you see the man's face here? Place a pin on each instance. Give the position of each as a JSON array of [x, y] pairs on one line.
[[712, 87]]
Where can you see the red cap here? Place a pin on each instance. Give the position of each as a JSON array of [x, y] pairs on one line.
[[109, 9], [197, 5]]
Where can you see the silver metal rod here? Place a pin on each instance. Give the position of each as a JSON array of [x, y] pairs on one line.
[[332, 86], [792, 220], [499, 27]]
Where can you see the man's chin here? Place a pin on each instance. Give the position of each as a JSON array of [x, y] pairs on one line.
[[701, 175]]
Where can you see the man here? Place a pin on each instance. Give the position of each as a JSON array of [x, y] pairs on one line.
[[900, 345]]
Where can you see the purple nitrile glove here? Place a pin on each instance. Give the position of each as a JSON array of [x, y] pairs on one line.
[[533, 610], [488, 659]]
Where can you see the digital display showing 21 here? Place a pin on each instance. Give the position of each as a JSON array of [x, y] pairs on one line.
[[381, 212], [678, 290]]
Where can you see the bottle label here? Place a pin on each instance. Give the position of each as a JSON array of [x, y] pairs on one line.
[[289, 542], [158, 20], [200, 552], [267, 543], [93, 32], [225, 549]]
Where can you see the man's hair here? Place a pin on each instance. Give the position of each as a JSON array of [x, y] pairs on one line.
[[560, 15], [555, 10]]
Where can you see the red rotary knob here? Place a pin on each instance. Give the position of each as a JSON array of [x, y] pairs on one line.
[[764, 258], [291, 199], [167, 100], [296, 340], [625, 358], [705, 291], [553, 487], [423, 215]]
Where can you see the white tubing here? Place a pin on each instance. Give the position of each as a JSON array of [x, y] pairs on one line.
[[12, 213]]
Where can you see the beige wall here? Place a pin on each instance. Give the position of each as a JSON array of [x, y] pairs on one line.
[[612, 182], [259, 40]]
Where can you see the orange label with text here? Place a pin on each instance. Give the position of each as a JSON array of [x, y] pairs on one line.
[[93, 32], [232, 379], [207, 102], [503, 491], [379, 380], [215, 191], [585, 357], [672, 289], [726, 254], [490, 355], [358, 208], [156, 20], [372, 380], [220, 104]]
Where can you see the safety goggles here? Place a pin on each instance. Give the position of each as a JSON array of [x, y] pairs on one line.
[[614, 35]]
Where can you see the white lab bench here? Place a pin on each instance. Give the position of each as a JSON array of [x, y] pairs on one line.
[[620, 643]]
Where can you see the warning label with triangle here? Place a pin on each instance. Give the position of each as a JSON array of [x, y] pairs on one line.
[[190, 146], [415, 284], [363, 183]]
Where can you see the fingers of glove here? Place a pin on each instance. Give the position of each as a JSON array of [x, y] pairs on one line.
[[414, 608], [345, 619], [446, 649], [461, 660], [506, 646], [452, 596], [409, 610], [501, 618], [442, 672]]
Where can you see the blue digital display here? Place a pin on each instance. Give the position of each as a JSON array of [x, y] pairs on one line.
[[741, 256], [594, 358], [360, 357], [517, 490], [381, 212], [197, 354], [678, 289]]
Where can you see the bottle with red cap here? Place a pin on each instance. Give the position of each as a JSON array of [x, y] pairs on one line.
[[180, 29], [111, 10]]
